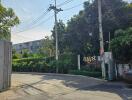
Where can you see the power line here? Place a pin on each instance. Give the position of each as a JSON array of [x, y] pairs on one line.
[[43, 11], [36, 25], [49, 18], [73, 7], [33, 22], [31, 25], [64, 3], [36, 20], [41, 16], [21, 36]]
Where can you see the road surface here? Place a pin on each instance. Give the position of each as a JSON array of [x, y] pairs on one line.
[[33, 86]]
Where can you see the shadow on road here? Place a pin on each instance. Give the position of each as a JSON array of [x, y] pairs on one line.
[[82, 83]]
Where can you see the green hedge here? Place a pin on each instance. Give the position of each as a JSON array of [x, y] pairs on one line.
[[65, 63], [33, 59], [86, 73], [32, 65]]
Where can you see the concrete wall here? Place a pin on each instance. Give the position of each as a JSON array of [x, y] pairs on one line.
[[5, 65], [122, 68]]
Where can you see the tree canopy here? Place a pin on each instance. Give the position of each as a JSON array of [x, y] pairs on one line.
[[81, 34], [8, 19]]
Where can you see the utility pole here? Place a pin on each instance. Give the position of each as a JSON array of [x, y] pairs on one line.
[[109, 41], [56, 10], [101, 39]]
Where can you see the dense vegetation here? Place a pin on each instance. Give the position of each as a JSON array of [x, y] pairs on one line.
[[121, 46], [49, 64], [81, 34]]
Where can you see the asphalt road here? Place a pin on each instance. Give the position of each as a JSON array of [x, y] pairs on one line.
[[33, 86]]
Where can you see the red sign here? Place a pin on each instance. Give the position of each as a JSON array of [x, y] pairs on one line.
[[101, 51]]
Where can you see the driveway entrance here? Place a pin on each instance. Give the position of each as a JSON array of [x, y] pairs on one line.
[[35, 86]]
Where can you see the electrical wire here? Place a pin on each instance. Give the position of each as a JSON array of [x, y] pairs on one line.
[[67, 9], [36, 25], [39, 18], [32, 24], [21, 36], [49, 18], [35, 21], [64, 3]]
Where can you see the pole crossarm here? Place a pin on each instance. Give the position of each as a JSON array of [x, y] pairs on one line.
[[52, 7]]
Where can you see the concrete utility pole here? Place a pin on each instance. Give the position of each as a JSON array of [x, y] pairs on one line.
[[78, 60], [109, 40], [56, 10], [101, 39]]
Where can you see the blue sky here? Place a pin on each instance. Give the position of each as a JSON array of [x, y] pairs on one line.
[[29, 10]]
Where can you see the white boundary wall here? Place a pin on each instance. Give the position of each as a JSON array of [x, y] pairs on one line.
[[122, 68], [5, 64]]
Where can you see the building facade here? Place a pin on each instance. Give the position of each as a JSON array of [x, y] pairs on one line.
[[32, 46]]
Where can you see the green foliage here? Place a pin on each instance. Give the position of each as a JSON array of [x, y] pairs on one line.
[[61, 29], [8, 19], [32, 65], [25, 53], [15, 55], [121, 45], [65, 63], [47, 48], [86, 73], [76, 36]]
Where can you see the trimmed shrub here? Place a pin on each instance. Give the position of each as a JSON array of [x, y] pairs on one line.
[[65, 63], [31, 65]]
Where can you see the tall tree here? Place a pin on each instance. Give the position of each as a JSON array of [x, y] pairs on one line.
[[8, 19], [61, 30], [81, 34], [115, 14]]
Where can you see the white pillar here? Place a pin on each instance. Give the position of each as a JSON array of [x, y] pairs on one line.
[[78, 60], [5, 65]]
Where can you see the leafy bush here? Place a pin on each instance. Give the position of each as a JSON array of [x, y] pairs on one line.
[[31, 65], [65, 63], [86, 73], [121, 46]]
